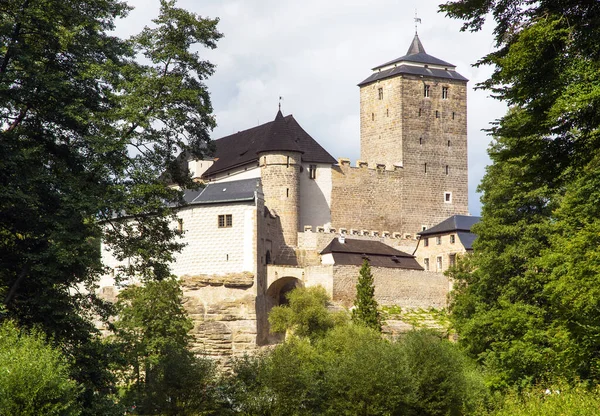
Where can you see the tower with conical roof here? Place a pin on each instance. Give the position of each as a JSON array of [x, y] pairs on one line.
[[280, 159], [413, 114]]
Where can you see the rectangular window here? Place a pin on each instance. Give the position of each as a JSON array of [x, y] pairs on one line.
[[225, 221], [180, 225], [444, 93], [426, 242], [452, 260], [438, 240], [437, 114], [426, 90], [426, 264], [448, 197], [438, 263], [381, 93], [312, 171], [452, 238]]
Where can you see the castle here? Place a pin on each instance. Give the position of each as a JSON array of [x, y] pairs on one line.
[[279, 212]]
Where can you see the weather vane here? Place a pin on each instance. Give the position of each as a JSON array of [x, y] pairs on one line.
[[280, 98], [417, 20]]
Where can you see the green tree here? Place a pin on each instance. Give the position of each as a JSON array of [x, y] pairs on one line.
[[86, 134], [162, 375], [511, 311], [365, 306], [306, 315], [34, 377]]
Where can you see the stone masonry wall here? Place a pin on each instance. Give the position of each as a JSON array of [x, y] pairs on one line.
[[409, 289], [434, 139], [280, 174], [365, 198], [381, 122], [433, 250]]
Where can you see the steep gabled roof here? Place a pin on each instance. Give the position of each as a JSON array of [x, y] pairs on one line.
[[353, 252], [415, 62], [281, 134], [455, 223]]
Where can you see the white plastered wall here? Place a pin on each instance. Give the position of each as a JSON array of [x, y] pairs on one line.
[[315, 196], [214, 250]]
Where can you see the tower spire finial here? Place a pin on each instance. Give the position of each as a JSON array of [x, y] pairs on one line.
[[280, 98], [417, 20]]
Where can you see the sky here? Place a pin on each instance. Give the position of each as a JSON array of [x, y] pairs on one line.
[[313, 53]]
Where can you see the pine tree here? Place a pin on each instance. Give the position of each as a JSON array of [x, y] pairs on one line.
[[365, 306]]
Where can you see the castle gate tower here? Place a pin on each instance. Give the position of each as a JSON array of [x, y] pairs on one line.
[[413, 114]]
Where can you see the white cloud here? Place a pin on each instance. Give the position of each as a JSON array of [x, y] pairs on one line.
[[313, 53]]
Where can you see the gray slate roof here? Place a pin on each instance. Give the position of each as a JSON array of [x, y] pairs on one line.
[[353, 252], [453, 224], [223, 192], [281, 134], [416, 53]]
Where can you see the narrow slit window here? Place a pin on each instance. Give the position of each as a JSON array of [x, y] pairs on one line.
[[380, 93], [437, 114], [447, 169], [426, 90], [372, 116], [420, 112], [287, 192], [453, 115], [425, 166], [448, 143], [421, 141], [288, 162]]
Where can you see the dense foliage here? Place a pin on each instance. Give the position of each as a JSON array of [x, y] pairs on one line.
[[343, 368], [160, 374], [528, 305], [365, 306], [352, 370], [306, 314], [86, 133], [34, 377]]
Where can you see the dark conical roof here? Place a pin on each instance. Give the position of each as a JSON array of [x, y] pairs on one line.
[[416, 46], [279, 137]]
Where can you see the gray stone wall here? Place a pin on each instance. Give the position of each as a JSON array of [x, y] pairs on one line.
[[409, 289]]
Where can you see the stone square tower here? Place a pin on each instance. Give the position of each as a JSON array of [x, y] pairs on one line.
[[413, 115]]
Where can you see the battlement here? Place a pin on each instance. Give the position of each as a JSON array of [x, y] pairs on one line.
[[345, 163]]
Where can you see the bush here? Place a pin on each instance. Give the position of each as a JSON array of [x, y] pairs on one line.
[[564, 401], [34, 377]]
